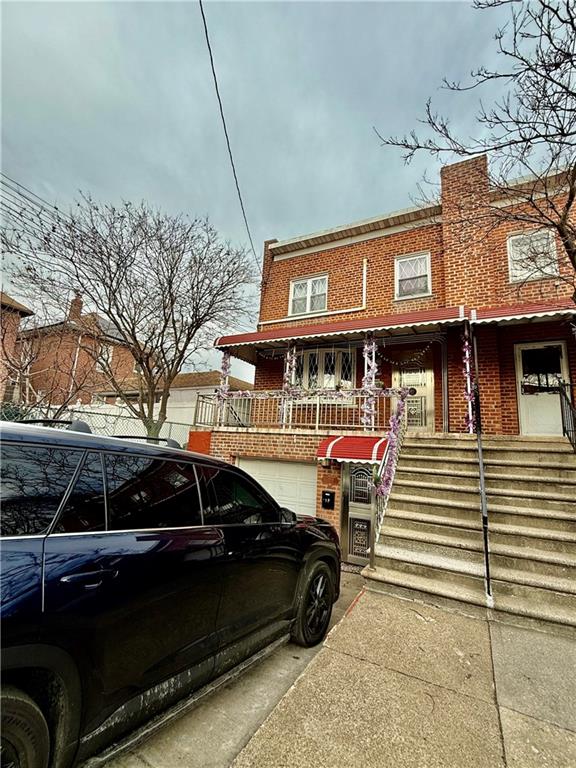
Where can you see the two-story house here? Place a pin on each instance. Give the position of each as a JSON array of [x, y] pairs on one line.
[[66, 361], [12, 313], [401, 300]]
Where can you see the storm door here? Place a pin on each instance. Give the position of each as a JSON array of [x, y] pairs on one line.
[[420, 407], [540, 367]]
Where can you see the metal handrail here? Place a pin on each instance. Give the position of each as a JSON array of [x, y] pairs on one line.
[[568, 410]]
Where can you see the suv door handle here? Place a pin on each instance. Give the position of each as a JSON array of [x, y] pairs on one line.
[[90, 579]]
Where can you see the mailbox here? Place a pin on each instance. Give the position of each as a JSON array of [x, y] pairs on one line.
[[328, 499]]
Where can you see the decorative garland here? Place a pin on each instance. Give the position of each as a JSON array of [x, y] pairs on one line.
[[383, 483], [416, 358], [224, 387], [368, 408]]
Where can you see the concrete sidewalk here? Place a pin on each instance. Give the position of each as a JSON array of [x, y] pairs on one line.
[[402, 683]]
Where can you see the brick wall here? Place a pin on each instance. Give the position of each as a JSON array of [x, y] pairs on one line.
[[9, 322]]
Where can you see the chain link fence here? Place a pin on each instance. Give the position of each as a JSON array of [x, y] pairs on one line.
[[113, 421]]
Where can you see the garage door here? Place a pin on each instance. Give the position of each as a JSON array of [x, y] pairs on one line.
[[293, 485]]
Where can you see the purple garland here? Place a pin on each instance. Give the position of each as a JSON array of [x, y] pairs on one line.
[[383, 483], [470, 419]]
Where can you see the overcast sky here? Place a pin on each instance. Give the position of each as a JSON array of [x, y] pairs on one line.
[[116, 98]]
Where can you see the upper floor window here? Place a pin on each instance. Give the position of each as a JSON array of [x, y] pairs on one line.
[[532, 256], [412, 277], [308, 295]]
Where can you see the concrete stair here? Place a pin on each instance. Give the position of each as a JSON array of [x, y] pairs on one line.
[[431, 540]]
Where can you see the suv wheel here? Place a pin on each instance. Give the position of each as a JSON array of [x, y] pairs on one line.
[[25, 741], [315, 607]]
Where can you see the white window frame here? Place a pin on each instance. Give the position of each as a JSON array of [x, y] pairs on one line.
[[308, 281], [305, 355], [406, 257], [517, 274]]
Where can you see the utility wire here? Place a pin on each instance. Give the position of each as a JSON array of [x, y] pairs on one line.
[[226, 134]]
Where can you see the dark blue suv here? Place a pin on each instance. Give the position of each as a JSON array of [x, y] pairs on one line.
[[131, 576]]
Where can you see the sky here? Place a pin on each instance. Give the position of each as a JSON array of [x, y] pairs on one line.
[[117, 99]]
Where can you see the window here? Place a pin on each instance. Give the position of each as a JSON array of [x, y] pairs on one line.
[[308, 295], [150, 493], [84, 511], [325, 369], [34, 481], [230, 499], [412, 276], [532, 256]]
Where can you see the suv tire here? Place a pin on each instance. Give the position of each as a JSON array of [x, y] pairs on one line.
[[25, 736], [315, 606]]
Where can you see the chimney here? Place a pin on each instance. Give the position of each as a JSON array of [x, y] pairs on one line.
[[75, 311]]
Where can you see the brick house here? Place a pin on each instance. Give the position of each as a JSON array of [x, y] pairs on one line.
[[11, 314], [414, 282], [59, 361]]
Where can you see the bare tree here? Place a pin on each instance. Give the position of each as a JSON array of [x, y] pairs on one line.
[[530, 132], [159, 285]]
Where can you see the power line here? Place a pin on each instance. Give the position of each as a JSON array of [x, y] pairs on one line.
[[226, 134]]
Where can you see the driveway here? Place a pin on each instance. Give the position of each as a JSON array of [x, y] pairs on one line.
[[212, 735]]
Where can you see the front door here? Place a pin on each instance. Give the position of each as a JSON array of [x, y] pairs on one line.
[[540, 366], [420, 375]]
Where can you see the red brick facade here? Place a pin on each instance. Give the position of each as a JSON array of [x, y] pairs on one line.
[[467, 246]]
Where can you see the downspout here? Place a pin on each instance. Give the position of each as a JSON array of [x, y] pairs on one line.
[[74, 366], [483, 499]]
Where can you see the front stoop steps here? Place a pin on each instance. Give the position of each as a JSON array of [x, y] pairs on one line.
[[431, 539]]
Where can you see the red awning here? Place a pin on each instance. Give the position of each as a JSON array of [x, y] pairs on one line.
[[361, 448]]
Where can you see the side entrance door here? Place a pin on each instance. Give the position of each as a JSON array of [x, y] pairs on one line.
[[356, 512], [540, 366], [420, 407]]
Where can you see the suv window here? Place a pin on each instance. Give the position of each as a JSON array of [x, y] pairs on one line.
[[151, 493], [232, 499], [33, 482], [84, 510]]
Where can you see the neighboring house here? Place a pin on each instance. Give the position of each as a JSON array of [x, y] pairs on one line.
[[64, 361], [415, 282], [11, 315], [188, 392]]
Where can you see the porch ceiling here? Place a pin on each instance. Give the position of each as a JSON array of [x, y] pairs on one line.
[[245, 346]]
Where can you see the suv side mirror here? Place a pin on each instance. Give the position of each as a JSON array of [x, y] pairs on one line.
[[287, 515]]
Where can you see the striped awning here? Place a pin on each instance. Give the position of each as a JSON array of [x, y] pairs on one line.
[[367, 449]]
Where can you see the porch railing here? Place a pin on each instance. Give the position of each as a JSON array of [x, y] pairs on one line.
[[568, 410], [341, 411]]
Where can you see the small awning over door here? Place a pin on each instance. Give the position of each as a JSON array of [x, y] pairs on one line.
[[357, 448]]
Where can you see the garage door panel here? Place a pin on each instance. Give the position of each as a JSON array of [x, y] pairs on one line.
[[292, 484]]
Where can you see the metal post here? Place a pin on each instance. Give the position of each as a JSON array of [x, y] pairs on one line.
[[483, 499]]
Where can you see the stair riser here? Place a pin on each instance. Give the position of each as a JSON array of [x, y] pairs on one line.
[[542, 600], [413, 477], [471, 516], [531, 486], [468, 496], [530, 502], [553, 474], [441, 454], [534, 569], [529, 457], [460, 554], [447, 578], [506, 544]]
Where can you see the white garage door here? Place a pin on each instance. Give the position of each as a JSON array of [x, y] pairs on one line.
[[293, 485]]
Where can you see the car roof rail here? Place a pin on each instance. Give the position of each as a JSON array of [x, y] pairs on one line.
[[75, 425], [170, 442]]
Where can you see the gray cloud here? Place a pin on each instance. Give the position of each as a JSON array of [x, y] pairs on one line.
[[117, 99]]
